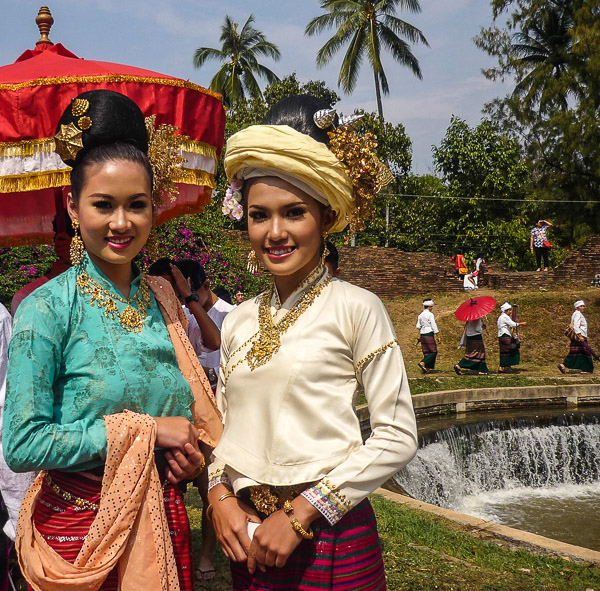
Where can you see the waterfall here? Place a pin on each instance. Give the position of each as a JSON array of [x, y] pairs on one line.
[[503, 455]]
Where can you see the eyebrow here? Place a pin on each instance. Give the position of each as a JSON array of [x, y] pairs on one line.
[[288, 205], [112, 198]]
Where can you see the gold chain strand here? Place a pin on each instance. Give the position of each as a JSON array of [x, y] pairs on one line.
[[130, 319], [269, 334], [67, 496]]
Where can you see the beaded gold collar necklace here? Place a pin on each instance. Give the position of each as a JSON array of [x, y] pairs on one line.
[[267, 341], [130, 319]]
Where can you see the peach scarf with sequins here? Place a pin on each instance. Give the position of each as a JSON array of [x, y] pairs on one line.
[[130, 528]]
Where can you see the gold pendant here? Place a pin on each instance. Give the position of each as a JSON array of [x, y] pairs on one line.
[[131, 319], [263, 349]]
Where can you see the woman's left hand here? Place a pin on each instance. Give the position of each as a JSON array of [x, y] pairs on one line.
[[182, 464], [273, 542]]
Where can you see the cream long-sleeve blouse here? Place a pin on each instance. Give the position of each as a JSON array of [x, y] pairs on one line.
[[291, 420]]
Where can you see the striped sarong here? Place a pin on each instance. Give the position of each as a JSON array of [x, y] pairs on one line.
[[579, 357], [429, 348], [64, 525], [342, 557], [508, 356], [474, 358]]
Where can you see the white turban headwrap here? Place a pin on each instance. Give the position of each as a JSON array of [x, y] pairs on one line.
[[579, 303], [428, 303], [505, 306], [283, 152]]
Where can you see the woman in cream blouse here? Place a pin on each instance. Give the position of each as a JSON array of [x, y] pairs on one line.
[[293, 361]]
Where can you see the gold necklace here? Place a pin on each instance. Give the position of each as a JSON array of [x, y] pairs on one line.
[[267, 341], [130, 319]]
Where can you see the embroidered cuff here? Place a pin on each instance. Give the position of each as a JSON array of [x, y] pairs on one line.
[[325, 497], [218, 477]]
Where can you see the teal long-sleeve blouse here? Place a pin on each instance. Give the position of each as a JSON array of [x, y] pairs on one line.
[[70, 365]]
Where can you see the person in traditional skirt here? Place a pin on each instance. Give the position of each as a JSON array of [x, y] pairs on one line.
[[472, 338], [580, 357], [509, 355], [427, 334], [291, 474], [95, 380]]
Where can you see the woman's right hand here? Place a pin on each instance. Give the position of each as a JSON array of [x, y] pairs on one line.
[[175, 432], [230, 519]]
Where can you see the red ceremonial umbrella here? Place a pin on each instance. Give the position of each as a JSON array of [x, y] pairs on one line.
[[34, 92], [475, 308]]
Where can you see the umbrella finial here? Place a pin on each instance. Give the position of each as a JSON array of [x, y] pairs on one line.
[[44, 21]]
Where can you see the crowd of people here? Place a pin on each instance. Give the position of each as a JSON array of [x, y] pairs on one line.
[[123, 386], [580, 359]]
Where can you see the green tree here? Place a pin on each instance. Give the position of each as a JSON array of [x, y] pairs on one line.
[[367, 27], [485, 204], [240, 52], [551, 50]]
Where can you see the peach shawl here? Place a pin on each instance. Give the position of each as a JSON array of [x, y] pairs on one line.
[[130, 528]]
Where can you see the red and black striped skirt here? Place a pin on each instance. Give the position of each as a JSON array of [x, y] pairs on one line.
[[341, 557], [64, 525]]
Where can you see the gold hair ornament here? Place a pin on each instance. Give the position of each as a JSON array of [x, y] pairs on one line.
[[164, 147], [367, 173], [68, 141]]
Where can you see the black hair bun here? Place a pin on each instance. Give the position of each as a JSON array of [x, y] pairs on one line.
[[98, 117], [298, 113]]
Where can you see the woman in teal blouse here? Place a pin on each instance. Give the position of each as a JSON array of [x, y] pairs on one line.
[[93, 343]]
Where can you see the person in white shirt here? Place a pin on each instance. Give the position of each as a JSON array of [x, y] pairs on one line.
[[474, 358], [13, 486], [509, 346], [291, 475], [581, 356], [427, 335]]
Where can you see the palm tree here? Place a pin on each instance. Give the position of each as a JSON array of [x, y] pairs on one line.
[[543, 53], [367, 26], [239, 52]]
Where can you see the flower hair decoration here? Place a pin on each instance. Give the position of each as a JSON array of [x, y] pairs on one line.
[[232, 202]]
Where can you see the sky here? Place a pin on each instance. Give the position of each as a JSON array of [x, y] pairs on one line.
[[162, 35]]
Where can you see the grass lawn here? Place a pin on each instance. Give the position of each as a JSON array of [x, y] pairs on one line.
[[423, 552]]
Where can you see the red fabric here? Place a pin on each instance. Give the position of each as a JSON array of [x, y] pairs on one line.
[[32, 111], [64, 525], [342, 557]]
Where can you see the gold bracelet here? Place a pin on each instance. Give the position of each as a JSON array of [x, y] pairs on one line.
[[288, 507], [209, 511], [297, 527], [227, 495]]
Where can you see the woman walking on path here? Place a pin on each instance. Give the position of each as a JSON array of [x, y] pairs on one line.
[[95, 380], [581, 356], [509, 346], [293, 360], [472, 338], [427, 330], [539, 243]]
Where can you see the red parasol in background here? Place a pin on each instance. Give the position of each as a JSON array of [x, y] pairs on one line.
[[475, 308], [35, 90]]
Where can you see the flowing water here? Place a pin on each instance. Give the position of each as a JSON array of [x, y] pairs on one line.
[[540, 474]]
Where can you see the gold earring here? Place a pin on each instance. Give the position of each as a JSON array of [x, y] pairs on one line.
[[152, 245], [77, 247], [252, 265], [325, 249]]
